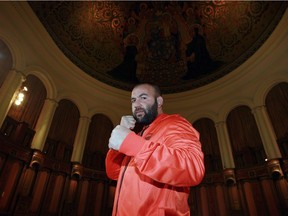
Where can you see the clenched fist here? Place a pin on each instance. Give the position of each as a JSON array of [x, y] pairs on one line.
[[118, 134], [128, 121]]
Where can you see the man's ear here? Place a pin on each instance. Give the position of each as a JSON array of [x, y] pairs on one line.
[[159, 101]]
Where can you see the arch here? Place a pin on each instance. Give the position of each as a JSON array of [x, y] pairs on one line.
[[62, 132], [230, 105], [247, 145], [200, 115], [18, 60], [265, 87], [77, 100], [45, 78], [276, 103], [96, 146], [210, 145], [29, 109], [113, 116], [6, 61]]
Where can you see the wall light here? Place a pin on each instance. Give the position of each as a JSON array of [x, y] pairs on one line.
[[20, 96]]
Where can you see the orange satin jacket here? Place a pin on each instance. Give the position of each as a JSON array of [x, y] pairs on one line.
[[154, 172]]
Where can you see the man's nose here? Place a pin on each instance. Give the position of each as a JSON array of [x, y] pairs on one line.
[[136, 103]]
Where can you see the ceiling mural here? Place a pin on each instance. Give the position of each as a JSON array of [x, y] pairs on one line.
[[178, 45]]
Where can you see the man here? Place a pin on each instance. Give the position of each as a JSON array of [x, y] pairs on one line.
[[155, 168]]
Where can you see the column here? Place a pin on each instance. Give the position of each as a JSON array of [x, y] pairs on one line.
[[43, 124], [234, 198], [224, 145], [282, 191], [99, 199], [11, 84], [204, 201], [266, 132], [80, 139], [250, 199], [83, 198], [221, 200], [269, 192]]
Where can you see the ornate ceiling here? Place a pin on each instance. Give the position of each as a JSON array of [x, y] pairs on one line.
[[177, 45]]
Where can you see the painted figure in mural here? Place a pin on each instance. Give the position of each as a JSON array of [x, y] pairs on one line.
[[126, 71], [156, 167], [199, 61], [162, 39]]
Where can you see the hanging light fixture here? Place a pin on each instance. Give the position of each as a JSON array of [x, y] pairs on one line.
[[20, 96]]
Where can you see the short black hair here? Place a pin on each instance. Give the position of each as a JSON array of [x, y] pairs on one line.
[[155, 87]]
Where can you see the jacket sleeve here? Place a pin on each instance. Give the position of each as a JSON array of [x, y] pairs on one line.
[[175, 158], [113, 163]]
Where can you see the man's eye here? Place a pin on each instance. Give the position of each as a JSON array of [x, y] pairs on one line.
[[143, 97]]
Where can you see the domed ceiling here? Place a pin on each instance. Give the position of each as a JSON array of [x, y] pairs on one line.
[[178, 45]]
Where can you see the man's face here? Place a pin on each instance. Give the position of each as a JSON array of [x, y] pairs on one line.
[[144, 104]]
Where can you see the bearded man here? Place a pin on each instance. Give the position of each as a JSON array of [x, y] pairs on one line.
[[155, 168]]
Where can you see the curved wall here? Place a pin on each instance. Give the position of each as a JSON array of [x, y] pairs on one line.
[[247, 85]]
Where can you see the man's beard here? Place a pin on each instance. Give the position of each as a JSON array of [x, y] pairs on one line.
[[149, 115]]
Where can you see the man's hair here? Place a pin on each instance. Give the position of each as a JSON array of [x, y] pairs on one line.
[[155, 87]]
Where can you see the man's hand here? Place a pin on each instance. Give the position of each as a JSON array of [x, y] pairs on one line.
[[118, 134], [128, 121]]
